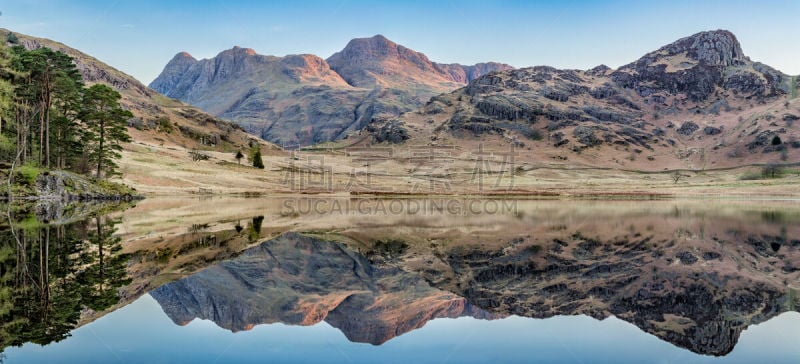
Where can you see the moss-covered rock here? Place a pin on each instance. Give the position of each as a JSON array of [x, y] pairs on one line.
[[67, 186]]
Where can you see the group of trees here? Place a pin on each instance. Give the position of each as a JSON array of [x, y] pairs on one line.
[[50, 119], [255, 156]]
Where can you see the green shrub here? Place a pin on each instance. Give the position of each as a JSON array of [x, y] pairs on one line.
[[12, 38], [164, 125], [28, 173], [7, 148]]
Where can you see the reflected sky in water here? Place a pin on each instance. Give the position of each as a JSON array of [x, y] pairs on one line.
[[142, 333]]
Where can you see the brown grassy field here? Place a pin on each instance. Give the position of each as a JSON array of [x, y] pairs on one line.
[[155, 168]]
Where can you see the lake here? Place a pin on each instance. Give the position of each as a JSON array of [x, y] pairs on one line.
[[364, 280]]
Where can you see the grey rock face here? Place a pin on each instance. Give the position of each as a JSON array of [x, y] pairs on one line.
[[715, 48], [172, 73], [713, 59]]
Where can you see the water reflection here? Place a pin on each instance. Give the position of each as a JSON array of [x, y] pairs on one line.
[[696, 293], [692, 273], [300, 280], [51, 273]]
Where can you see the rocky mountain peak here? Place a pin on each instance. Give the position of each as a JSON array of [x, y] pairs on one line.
[[236, 52], [697, 65], [172, 72], [378, 49], [375, 47], [183, 55], [246, 51], [714, 48]]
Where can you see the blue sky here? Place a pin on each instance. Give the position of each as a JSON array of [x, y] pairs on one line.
[[140, 36]]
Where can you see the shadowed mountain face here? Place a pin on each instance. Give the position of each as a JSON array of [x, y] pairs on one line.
[[696, 103], [303, 99], [298, 280], [696, 282], [379, 62]]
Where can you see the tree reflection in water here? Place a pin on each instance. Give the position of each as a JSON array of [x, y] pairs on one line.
[[49, 274]]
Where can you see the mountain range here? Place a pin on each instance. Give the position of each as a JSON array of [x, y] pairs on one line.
[[304, 99], [696, 104]]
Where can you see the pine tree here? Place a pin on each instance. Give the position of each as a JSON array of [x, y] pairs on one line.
[[67, 98], [6, 87], [105, 123], [255, 156]]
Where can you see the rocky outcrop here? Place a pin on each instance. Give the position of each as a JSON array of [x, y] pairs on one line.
[[697, 65], [391, 131], [713, 48], [66, 186], [687, 128]]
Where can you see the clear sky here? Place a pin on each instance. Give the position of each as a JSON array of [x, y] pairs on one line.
[[140, 36]]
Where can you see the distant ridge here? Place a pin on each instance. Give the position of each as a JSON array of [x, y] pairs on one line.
[[304, 99]]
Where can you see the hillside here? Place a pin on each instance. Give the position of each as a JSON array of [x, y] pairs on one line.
[[303, 99], [158, 119], [698, 103]]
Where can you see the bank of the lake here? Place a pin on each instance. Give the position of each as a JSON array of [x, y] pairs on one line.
[[33, 184]]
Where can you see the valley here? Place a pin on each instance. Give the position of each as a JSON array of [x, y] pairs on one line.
[[682, 121]]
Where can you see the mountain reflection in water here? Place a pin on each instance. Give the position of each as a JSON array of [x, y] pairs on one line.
[[692, 274]]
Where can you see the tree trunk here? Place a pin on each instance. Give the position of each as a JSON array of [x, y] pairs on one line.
[[41, 133], [100, 151], [47, 142], [100, 251]]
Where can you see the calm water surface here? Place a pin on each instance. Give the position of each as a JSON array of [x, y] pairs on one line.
[[430, 281]]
